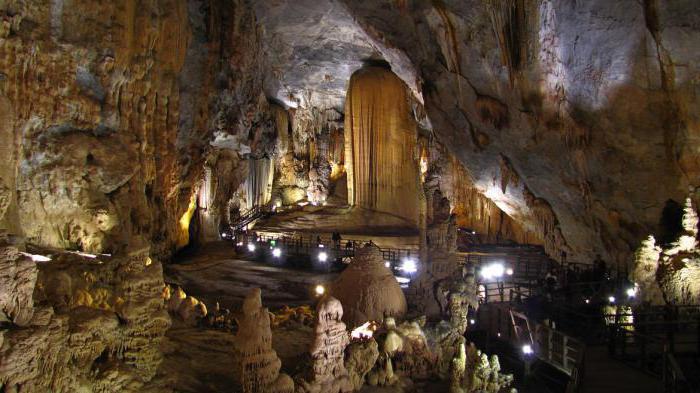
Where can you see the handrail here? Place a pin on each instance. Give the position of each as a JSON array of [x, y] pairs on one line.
[[553, 347]]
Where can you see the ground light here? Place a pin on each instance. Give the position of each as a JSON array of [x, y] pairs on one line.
[[276, 252], [527, 349], [322, 256], [251, 247], [320, 290]]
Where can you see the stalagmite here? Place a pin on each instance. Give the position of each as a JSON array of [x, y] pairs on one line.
[[257, 365], [368, 290], [380, 144], [646, 264], [328, 373]]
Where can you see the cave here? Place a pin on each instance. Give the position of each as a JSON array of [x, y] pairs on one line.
[[274, 196]]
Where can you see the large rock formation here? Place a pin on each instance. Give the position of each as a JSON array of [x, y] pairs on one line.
[[381, 144], [327, 372], [555, 107], [110, 110], [368, 290], [257, 365], [670, 274], [79, 322]]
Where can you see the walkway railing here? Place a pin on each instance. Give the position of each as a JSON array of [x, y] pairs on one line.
[[656, 341], [553, 347]]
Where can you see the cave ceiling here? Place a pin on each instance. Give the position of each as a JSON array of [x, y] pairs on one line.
[[313, 47]]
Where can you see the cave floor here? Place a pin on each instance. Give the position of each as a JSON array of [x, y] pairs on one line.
[[200, 359], [348, 221], [213, 273]]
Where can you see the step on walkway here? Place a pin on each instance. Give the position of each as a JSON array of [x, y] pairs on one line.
[[603, 375]]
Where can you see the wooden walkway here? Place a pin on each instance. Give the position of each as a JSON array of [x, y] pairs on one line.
[[606, 375]]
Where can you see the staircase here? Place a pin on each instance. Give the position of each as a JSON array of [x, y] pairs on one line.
[[248, 217]]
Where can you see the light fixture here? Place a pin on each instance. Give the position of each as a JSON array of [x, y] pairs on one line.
[[498, 334], [473, 322], [509, 271], [278, 204], [387, 264], [251, 247], [494, 270], [527, 349], [36, 257], [320, 290], [587, 301], [611, 299], [224, 235], [409, 265], [632, 292], [322, 256], [276, 252], [239, 244], [321, 246]]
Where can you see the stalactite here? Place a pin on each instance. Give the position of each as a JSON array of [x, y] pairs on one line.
[[258, 186], [509, 22], [380, 144], [282, 125]]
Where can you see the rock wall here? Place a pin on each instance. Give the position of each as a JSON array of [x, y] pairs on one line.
[[111, 109], [446, 176], [577, 119], [381, 144]]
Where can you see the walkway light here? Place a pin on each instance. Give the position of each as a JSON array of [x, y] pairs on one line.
[[320, 290], [276, 252], [251, 247], [494, 270], [527, 349], [409, 265], [322, 256]]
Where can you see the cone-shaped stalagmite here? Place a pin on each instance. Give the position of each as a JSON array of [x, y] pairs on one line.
[[380, 144]]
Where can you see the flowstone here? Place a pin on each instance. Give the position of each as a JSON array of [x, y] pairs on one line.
[[327, 373], [257, 365]]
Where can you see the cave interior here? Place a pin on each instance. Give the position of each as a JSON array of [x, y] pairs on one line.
[[312, 196]]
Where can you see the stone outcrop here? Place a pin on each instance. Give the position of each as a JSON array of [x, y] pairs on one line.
[[368, 290]]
